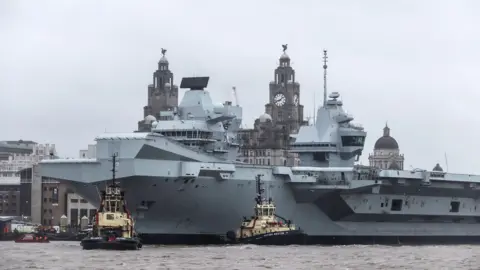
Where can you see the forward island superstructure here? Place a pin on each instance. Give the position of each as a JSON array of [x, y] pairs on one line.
[[185, 186]]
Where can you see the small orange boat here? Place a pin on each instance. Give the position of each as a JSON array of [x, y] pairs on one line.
[[32, 238]]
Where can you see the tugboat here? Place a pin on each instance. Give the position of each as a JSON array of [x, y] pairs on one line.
[[265, 228], [32, 238], [113, 227]]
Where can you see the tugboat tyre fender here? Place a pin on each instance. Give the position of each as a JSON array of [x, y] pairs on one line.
[[231, 235]]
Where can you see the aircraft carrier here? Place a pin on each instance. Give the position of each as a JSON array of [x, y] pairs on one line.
[[184, 185]]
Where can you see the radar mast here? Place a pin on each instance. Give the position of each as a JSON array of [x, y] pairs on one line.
[[325, 57]]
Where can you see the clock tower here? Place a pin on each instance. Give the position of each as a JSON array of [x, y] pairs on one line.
[[284, 106]]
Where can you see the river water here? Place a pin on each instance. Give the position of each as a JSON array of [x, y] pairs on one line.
[[69, 255]]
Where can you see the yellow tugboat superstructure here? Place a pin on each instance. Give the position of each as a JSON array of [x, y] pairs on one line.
[[266, 227], [113, 214], [114, 226]]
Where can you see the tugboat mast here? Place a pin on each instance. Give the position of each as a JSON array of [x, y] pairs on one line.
[[114, 166], [260, 190]]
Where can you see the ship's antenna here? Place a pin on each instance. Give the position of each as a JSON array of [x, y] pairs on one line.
[[314, 106], [446, 160], [325, 57]]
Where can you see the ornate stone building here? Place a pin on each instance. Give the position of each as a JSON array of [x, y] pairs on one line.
[[284, 105], [386, 153], [267, 142], [162, 95]]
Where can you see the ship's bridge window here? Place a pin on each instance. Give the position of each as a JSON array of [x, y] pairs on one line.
[[353, 140]]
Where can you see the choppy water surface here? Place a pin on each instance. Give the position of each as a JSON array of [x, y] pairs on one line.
[[69, 255]]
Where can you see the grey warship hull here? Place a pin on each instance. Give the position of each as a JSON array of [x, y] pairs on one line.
[[199, 210]]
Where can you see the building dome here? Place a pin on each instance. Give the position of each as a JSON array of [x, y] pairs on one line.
[[163, 60], [386, 141], [437, 168], [149, 119], [284, 56], [265, 117]]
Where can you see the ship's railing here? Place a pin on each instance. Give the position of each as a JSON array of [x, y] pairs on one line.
[[332, 183], [194, 148]]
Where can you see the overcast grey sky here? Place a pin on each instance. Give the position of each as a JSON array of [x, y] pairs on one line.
[[69, 70]]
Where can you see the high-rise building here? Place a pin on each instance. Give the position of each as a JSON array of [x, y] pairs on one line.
[[15, 194]]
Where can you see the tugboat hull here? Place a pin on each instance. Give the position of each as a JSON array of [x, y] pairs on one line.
[[282, 238], [115, 244]]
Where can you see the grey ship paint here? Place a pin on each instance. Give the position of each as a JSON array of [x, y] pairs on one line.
[[183, 184]]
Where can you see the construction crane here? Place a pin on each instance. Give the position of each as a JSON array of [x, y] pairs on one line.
[[234, 89]]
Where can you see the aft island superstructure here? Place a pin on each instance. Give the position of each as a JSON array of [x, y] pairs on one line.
[[185, 186]]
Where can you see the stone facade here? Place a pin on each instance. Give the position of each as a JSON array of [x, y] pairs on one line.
[[162, 95], [386, 153], [53, 202], [268, 141], [284, 98], [77, 208]]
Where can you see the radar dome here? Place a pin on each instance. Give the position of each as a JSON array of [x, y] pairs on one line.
[[218, 106], [154, 124], [168, 85], [149, 119], [265, 117]]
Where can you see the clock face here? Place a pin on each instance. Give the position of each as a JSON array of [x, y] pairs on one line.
[[295, 99], [279, 99]]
